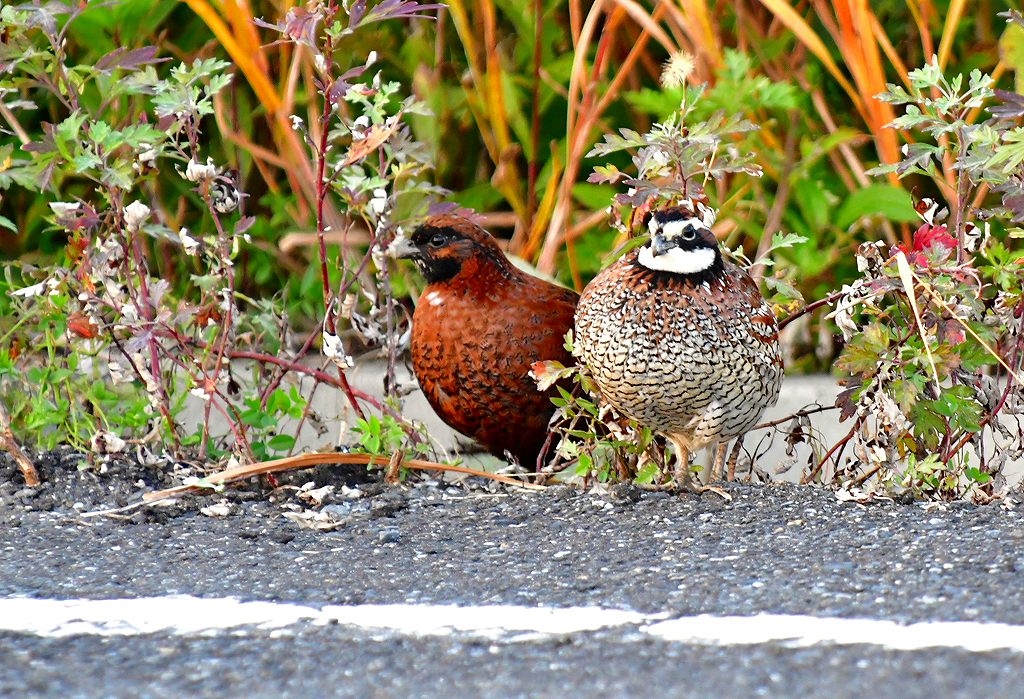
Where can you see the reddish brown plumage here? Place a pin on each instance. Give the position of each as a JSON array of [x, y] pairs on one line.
[[478, 327]]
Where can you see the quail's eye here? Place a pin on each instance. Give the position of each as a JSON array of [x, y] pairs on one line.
[[689, 234], [438, 240]]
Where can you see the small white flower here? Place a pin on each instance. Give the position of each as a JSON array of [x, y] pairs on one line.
[[190, 244], [297, 122], [147, 154], [197, 172], [199, 392], [105, 442], [333, 350], [320, 62], [660, 157], [707, 214], [379, 202], [371, 59], [359, 127], [30, 291], [118, 375], [63, 209], [135, 214]]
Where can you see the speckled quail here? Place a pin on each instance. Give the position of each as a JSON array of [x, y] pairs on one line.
[[478, 327], [680, 340]]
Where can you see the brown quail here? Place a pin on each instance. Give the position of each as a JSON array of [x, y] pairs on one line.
[[680, 340], [478, 327]]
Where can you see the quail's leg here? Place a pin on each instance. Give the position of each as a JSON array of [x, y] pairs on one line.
[[733, 457], [719, 465], [682, 477]]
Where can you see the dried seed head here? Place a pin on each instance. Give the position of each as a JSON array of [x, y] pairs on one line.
[[677, 69]]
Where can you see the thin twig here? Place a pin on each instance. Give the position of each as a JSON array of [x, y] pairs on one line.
[[809, 308], [803, 412], [817, 469]]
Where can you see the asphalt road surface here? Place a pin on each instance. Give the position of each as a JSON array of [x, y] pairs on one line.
[[559, 593]]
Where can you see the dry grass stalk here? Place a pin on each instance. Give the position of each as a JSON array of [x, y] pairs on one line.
[[9, 444], [293, 463]]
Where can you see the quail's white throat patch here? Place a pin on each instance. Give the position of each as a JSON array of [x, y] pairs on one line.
[[678, 261]]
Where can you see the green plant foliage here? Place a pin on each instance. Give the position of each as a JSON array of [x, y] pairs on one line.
[[933, 328], [133, 320]]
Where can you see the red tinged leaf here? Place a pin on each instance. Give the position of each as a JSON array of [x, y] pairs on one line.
[[75, 248], [929, 240], [208, 315], [928, 236], [81, 325]]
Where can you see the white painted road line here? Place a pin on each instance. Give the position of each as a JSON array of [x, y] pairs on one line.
[[803, 631], [183, 615], [192, 616]]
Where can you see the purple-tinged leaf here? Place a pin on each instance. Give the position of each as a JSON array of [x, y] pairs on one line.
[[1011, 105], [442, 208], [300, 25], [356, 13], [129, 58], [400, 9], [342, 84], [244, 224]]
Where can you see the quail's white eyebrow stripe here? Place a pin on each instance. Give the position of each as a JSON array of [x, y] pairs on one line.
[[195, 616]]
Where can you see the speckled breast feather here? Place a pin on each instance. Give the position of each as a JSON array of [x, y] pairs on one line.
[[688, 356]]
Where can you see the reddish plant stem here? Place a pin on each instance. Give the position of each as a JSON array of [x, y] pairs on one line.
[[991, 416], [154, 350], [235, 423], [222, 340], [810, 308], [321, 196], [330, 326], [302, 369]]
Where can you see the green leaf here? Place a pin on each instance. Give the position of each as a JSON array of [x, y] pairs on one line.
[[977, 475], [813, 200], [1011, 52], [892, 202], [647, 474], [281, 442]]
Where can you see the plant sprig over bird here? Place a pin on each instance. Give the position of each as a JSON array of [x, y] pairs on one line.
[[677, 301]]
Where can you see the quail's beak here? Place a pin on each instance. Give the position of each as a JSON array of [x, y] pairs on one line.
[[404, 249], [660, 244]]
